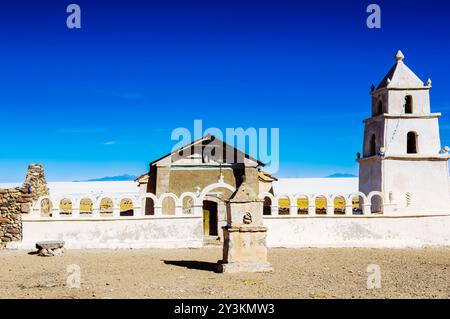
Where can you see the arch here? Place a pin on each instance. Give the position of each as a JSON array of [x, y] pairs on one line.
[[320, 202], [372, 145], [267, 206], [263, 195], [269, 202], [339, 203], [86, 205], [148, 203], [168, 203], [302, 206], [408, 104], [376, 201], [37, 204], [284, 203], [187, 201], [411, 143], [44, 205], [168, 195], [106, 205], [151, 196], [358, 207], [66, 205], [209, 188], [379, 107], [126, 206]]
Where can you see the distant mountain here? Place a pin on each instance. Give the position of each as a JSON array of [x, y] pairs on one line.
[[340, 175], [119, 178]]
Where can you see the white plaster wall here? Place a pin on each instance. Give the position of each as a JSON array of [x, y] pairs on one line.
[[370, 175], [373, 128], [396, 101], [427, 129], [377, 128], [346, 185], [377, 232], [264, 187], [426, 181], [173, 232], [94, 188]]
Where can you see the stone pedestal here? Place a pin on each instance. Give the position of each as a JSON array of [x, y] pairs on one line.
[[244, 248], [50, 248]]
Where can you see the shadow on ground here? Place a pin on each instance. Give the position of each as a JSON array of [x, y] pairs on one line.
[[193, 264]]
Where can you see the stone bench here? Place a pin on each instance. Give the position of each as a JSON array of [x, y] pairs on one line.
[[50, 248]]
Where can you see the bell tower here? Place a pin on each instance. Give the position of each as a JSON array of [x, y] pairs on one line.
[[402, 155]]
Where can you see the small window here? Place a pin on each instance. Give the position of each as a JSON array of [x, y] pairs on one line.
[[411, 143], [408, 104], [380, 107], [373, 148]]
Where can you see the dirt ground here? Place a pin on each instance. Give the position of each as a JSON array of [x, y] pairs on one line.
[[188, 273]]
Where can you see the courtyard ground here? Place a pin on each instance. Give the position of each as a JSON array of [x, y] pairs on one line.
[[188, 273]]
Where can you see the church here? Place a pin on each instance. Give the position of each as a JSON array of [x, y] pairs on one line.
[[197, 165], [186, 197], [402, 156]]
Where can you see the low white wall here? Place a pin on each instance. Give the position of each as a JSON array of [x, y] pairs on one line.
[[150, 232], [358, 231], [380, 231]]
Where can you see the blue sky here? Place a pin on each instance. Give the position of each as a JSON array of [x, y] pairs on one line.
[[104, 99]]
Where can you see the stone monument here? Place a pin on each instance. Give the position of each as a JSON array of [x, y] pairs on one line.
[[35, 182], [244, 248]]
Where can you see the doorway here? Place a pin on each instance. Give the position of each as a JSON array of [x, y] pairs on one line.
[[210, 218]]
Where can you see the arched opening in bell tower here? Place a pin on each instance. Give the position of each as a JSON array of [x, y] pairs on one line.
[[411, 147], [408, 104], [373, 146], [380, 108]]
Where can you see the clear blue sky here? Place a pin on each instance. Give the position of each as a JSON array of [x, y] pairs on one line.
[[104, 99]]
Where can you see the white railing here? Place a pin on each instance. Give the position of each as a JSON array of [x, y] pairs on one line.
[[195, 207], [364, 202]]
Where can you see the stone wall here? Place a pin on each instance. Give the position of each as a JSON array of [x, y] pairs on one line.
[[12, 203], [17, 201]]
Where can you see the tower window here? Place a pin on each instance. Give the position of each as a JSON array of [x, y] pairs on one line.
[[411, 143], [373, 149], [380, 107], [408, 104]]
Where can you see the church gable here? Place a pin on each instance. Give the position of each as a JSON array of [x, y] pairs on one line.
[[207, 150]]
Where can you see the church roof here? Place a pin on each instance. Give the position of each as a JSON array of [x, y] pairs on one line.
[[400, 76], [266, 177], [205, 140], [143, 179]]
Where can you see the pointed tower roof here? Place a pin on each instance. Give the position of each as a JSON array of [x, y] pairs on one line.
[[400, 76]]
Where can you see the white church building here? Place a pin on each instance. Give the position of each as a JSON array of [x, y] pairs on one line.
[[402, 155]]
